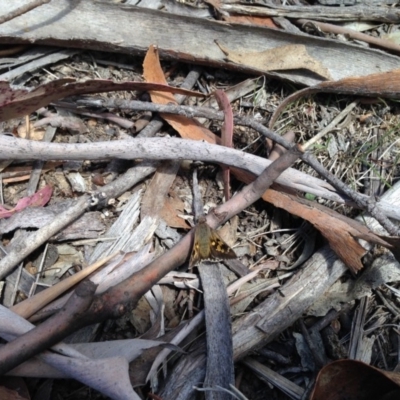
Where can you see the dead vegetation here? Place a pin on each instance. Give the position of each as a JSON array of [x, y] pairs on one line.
[[117, 169]]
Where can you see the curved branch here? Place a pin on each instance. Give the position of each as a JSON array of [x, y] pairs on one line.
[[175, 149]]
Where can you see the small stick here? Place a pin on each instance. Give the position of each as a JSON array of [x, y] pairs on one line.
[[22, 10]]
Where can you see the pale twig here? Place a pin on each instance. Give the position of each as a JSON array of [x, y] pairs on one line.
[[170, 148], [115, 301], [351, 33], [362, 201], [22, 10]]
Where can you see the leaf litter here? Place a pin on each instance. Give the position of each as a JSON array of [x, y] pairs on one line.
[[348, 150]]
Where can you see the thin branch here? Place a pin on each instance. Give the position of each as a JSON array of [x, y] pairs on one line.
[[362, 201], [22, 10], [351, 33], [119, 299], [172, 148]]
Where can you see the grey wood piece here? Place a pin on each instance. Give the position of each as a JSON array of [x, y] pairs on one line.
[[132, 30]]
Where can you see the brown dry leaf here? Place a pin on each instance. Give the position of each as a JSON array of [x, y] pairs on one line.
[[354, 380], [341, 232], [154, 198], [384, 84], [173, 206], [17, 102], [229, 231], [186, 127], [290, 57], [8, 394]]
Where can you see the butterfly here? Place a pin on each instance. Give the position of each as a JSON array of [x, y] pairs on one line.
[[208, 245]]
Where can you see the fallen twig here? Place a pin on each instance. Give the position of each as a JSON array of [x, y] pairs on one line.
[[117, 300], [331, 28], [22, 10], [171, 148]]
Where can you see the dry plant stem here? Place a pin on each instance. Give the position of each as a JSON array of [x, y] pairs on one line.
[[198, 207], [288, 387], [356, 12], [256, 189], [226, 135], [330, 28], [277, 149], [56, 328], [38, 165], [31, 305], [37, 151], [22, 10], [185, 111], [162, 149], [366, 203], [362, 201], [116, 301], [189, 82]]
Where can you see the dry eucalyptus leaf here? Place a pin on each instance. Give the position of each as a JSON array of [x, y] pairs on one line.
[[354, 380], [186, 127], [341, 232], [171, 211], [290, 57], [38, 199], [17, 102]]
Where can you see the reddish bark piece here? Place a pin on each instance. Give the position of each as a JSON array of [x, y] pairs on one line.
[[354, 380], [226, 134], [251, 20], [340, 231], [17, 102], [38, 199], [243, 19], [384, 84]]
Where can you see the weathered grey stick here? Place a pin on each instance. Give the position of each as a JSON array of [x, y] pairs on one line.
[[112, 28], [284, 307], [172, 149]]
